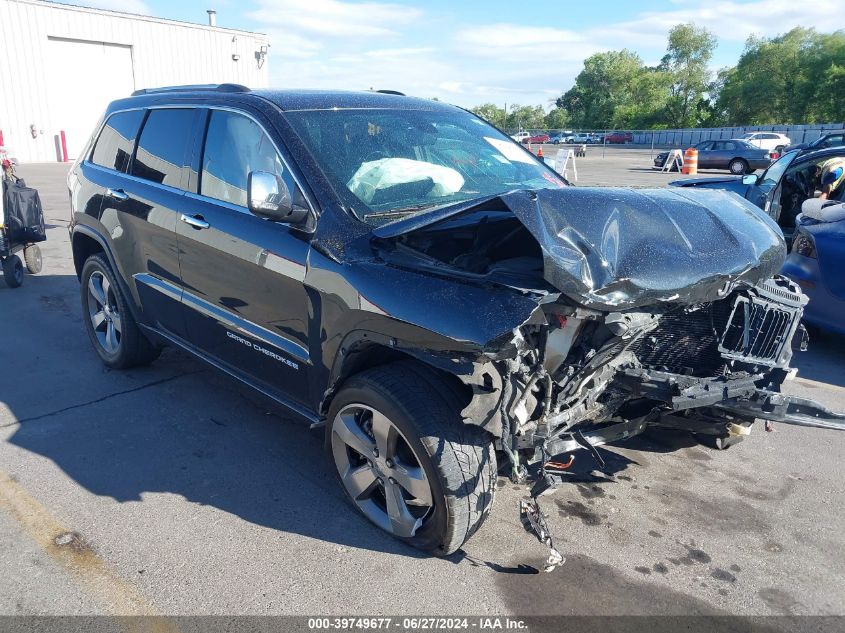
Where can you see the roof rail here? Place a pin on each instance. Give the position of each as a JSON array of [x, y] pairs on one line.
[[192, 88], [392, 92]]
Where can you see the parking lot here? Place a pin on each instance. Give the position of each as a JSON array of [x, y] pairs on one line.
[[173, 490]]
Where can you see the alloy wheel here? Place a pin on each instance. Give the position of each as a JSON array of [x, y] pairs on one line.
[[104, 313], [380, 470]]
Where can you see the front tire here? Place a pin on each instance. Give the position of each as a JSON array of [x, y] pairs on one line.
[[406, 459], [738, 166], [112, 329]]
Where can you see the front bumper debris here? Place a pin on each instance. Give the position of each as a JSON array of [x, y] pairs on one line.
[[779, 407], [534, 520]]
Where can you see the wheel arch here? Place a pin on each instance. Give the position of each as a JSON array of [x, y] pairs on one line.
[[365, 350], [85, 242], [83, 246], [476, 385]]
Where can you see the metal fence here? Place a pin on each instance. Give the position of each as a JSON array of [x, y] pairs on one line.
[[687, 137]]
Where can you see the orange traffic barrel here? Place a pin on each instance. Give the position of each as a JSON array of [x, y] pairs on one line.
[[690, 161]]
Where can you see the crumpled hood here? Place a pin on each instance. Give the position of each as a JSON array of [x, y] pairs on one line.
[[613, 248]]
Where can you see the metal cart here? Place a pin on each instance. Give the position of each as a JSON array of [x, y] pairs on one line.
[[13, 242]]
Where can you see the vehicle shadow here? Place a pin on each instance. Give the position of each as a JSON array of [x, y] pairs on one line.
[[176, 427]]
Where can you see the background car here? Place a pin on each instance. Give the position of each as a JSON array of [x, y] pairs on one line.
[[823, 142], [619, 137], [520, 136], [816, 263], [766, 140], [579, 138], [536, 138], [781, 189], [738, 157], [557, 139]]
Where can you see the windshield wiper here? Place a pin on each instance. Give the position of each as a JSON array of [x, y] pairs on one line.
[[397, 212]]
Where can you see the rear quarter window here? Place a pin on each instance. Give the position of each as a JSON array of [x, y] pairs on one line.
[[162, 154], [114, 146]]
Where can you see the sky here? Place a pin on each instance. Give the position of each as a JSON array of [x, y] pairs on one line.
[[469, 52]]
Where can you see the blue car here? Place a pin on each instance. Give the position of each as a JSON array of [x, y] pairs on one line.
[[780, 190], [816, 264]]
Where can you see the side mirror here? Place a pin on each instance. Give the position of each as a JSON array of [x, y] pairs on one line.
[[269, 197], [749, 179]]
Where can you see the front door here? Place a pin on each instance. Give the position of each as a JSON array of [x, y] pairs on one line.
[[245, 302]]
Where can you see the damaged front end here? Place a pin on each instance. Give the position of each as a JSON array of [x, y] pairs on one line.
[[654, 308]]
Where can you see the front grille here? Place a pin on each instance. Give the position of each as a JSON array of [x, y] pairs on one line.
[[757, 331], [702, 342], [686, 342]]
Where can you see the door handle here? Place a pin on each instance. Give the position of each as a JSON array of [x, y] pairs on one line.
[[117, 194], [196, 221]]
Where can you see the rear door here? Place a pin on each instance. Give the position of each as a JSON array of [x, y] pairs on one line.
[[245, 301], [705, 154], [142, 183]]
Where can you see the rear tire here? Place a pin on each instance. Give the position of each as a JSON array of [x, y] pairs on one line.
[[13, 271], [456, 460], [112, 329], [738, 166], [32, 257]]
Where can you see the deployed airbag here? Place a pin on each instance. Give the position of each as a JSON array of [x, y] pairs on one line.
[[376, 175]]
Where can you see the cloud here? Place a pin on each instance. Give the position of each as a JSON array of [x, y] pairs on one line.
[[356, 45], [394, 69], [514, 43], [333, 18], [730, 21]]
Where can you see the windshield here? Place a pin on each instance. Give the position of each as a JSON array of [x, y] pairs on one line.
[[387, 164], [773, 174]]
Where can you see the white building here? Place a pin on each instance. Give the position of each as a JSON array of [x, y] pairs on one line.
[[61, 65]]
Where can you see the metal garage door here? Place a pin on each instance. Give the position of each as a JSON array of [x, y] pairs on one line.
[[84, 78]]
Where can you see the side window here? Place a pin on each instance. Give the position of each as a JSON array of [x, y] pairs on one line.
[[835, 141], [705, 146], [162, 149], [117, 140], [234, 146], [728, 146]]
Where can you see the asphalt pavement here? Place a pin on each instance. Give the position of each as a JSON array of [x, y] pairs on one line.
[[173, 490]]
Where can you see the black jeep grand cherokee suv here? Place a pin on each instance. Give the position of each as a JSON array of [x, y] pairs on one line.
[[405, 274]]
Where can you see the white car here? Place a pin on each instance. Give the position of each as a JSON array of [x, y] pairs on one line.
[[519, 136], [579, 138], [765, 140]]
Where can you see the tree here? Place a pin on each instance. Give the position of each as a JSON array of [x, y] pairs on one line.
[[491, 113], [688, 54], [605, 84], [526, 117], [796, 77], [557, 119]]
